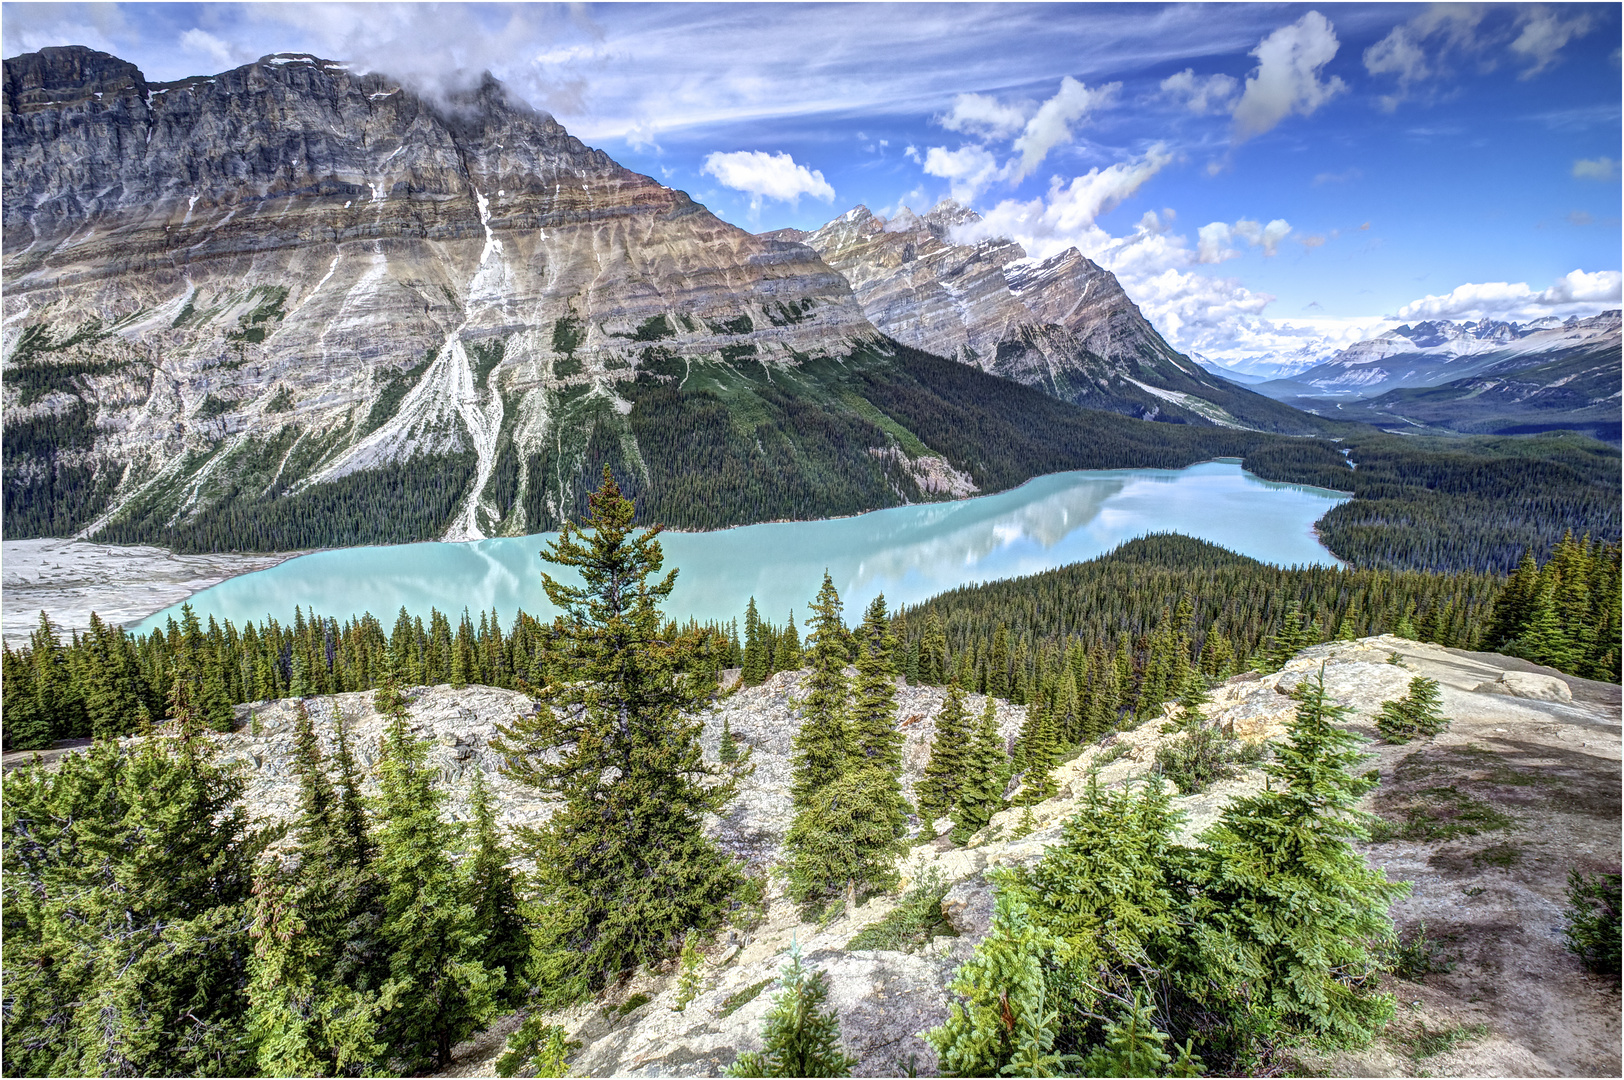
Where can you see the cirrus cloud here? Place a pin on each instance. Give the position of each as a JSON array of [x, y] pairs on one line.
[[767, 176]]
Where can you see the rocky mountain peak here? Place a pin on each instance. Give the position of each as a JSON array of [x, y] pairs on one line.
[[294, 251]]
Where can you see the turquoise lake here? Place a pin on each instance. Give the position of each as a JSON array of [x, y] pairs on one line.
[[908, 553]]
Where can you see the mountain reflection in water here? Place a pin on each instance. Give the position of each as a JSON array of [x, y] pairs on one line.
[[909, 553]]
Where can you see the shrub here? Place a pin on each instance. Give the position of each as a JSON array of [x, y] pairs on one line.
[[913, 922], [1593, 921], [537, 1047]]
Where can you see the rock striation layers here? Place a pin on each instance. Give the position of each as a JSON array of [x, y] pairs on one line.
[[1063, 324], [292, 272]]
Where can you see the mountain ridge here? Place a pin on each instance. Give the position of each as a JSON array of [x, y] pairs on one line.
[[1063, 324]]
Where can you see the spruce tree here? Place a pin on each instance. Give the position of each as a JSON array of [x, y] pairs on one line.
[[1285, 893], [933, 652], [317, 988], [1416, 714], [127, 877], [999, 989], [439, 990], [799, 1037], [986, 774], [624, 868], [873, 735], [822, 743], [754, 670], [494, 894], [939, 789]]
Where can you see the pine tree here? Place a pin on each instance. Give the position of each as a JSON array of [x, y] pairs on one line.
[[933, 652], [754, 671], [1286, 894], [986, 774], [999, 989], [939, 789], [822, 744], [126, 886], [843, 839], [787, 654], [1416, 714], [495, 898], [998, 664], [319, 965], [799, 1038], [624, 868], [728, 751], [439, 990], [873, 735]]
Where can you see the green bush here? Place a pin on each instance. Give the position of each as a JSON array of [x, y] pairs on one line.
[[1593, 921], [913, 922], [537, 1047]]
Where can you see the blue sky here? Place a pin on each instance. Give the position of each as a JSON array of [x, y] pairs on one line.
[[1262, 178]]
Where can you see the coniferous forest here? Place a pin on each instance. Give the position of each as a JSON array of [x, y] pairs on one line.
[[153, 930]]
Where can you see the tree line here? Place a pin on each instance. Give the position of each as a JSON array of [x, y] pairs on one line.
[[1098, 621]]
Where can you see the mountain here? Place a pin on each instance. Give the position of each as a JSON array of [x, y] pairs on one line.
[[1434, 353], [1062, 324], [1251, 370], [293, 305], [1575, 393]]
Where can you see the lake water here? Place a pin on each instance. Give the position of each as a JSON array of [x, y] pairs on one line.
[[908, 553]]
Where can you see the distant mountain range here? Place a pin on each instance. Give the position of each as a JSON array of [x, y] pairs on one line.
[[292, 305], [1484, 377]]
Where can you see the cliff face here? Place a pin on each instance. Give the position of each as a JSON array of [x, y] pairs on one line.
[[295, 261], [1064, 325]]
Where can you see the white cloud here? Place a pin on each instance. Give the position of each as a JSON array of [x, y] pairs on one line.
[[969, 169], [1602, 168], [216, 51], [1287, 78], [984, 115], [767, 176], [1050, 126], [1577, 293], [1064, 217], [1214, 240], [1202, 94], [1544, 33]]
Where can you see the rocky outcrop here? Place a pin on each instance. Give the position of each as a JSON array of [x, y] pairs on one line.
[[298, 262], [1536, 766], [1064, 324]]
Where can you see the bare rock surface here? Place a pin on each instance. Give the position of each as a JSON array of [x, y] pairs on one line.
[[1540, 778]]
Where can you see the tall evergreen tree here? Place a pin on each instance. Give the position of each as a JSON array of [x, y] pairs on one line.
[[1286, 893], [986, 774], [754, 669], [624, 868], [939, 789], [439, 991], [823, 743], [127, 876], [494, 894], [933, 652], [873, 735]]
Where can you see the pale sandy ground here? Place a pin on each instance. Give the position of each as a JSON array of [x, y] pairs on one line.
[[68, 579]]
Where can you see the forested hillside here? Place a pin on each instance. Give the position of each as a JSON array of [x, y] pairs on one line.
[[1452, 503]]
